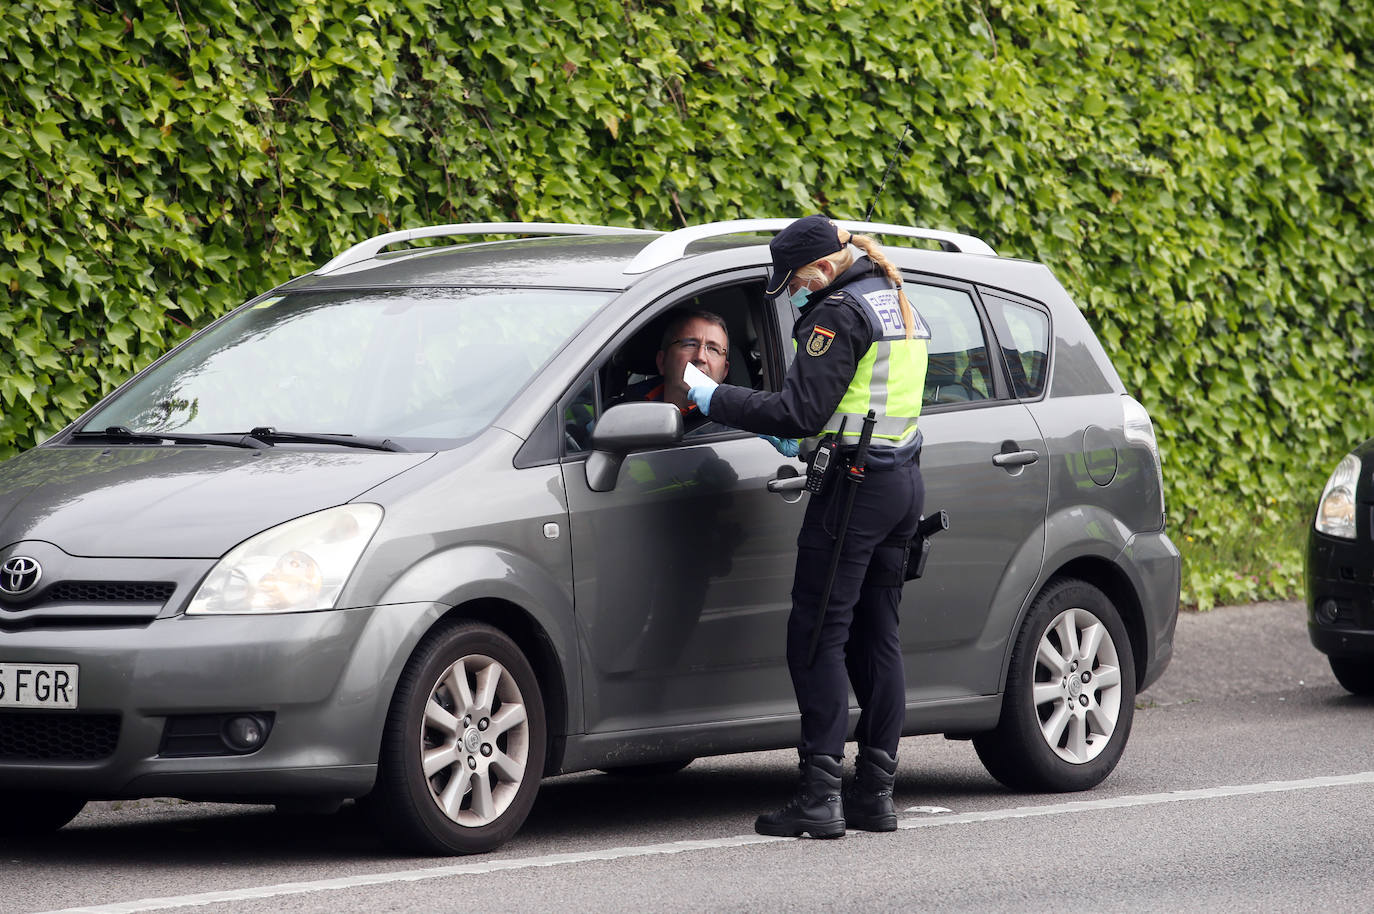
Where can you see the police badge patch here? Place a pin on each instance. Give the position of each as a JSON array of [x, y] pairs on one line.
[[820, 340]]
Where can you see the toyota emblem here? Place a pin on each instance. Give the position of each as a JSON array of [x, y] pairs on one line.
[[19, 575]]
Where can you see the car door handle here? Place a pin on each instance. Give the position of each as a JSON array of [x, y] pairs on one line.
[[1015, 458], [788, 484]]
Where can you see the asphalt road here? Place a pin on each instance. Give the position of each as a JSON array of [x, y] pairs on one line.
[[1248, 785]]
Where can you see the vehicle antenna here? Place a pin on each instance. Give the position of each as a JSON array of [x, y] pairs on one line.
[[890, 162]]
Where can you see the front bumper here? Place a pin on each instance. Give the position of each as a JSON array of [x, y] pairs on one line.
[[1339, 580], [326, 677]]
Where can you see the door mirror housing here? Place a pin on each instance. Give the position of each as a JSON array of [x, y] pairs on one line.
[[625, 428]]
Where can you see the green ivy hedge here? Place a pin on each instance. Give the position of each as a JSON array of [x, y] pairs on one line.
[[1198, 174]]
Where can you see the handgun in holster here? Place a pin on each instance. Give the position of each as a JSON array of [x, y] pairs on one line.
[[918, 547]]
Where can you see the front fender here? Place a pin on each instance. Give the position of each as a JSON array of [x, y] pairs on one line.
[[481, 572]]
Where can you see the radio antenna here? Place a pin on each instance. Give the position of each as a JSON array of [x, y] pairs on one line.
[[901, 143]]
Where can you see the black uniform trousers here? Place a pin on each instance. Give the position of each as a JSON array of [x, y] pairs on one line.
[[859, 644]]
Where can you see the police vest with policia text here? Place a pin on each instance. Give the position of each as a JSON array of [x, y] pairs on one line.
[[890, 377]]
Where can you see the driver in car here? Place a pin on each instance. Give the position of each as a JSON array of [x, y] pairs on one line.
[[696, 337]]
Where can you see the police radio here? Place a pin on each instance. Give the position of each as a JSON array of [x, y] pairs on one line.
[[819, 472]]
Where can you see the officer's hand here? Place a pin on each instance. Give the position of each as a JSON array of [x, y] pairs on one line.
[[701, 396], [787, 447]]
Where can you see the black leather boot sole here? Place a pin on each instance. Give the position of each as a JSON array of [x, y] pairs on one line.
[[792, 828]]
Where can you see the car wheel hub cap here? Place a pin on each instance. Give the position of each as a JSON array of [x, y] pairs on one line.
[[474, 741], [1077, 689]]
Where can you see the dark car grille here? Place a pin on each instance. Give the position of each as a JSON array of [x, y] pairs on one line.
[[109, 592], [86, 603], [57, 737]]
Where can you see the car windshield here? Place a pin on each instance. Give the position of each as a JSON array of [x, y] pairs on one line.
[[417, 364]]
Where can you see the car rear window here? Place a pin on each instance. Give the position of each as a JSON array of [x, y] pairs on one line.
[[1025, 333]]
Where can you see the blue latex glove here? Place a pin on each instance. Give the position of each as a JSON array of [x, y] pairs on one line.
[[701, 396], [787, 447]]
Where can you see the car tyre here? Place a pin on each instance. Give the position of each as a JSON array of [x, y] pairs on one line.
[[30, 813], [1355, 674], [1070, 694], [464, 743]]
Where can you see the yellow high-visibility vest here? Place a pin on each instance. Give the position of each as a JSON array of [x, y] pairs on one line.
[[890, 378]]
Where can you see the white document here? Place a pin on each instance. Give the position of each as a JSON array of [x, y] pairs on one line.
[[695, 377]]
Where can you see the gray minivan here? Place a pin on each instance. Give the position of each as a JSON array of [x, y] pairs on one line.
[[386, 533]]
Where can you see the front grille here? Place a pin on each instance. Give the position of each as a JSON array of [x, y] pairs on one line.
[[109, 592], [57, 737]]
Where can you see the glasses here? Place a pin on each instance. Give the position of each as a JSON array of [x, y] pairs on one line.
[[692, 344]]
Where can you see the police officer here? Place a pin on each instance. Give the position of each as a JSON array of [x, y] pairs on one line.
[[860, 347]]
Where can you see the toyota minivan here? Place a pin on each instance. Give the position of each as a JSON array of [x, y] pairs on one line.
[[384, 534]]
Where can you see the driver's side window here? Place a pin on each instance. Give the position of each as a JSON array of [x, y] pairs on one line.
[[721, 330]]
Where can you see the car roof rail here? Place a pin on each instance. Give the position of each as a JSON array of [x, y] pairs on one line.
[[366, 250], [673, 246]]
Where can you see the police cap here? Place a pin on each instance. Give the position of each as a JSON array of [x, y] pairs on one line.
[[804, 241]]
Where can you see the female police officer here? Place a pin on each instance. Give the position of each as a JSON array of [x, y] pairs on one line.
[[860, 347]]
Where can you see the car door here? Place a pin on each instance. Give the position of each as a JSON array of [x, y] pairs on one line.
[[682, 572], [984, 462]]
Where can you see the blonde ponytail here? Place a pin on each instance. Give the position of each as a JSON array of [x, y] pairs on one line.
[[844, 258], [874, 252]]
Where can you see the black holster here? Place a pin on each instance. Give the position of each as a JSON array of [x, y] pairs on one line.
[[917, 549]]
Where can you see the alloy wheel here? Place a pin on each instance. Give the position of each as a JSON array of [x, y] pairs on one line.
[[1078, 685], [475, 741]]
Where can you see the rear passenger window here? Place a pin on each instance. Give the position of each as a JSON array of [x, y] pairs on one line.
[[959, 371], [1025, 337]]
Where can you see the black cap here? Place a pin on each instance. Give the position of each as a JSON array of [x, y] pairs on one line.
[[804, 241]]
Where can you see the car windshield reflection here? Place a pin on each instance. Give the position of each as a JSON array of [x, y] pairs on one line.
[[417, 363]]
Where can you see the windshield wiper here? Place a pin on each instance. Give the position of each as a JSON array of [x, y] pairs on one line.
[[269, 436], [123, 435]]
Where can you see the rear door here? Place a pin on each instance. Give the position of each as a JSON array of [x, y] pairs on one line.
[[984, 462]]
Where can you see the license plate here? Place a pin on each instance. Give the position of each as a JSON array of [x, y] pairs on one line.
[[38, 685]]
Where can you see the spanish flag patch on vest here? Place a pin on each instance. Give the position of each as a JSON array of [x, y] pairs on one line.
[[820, 340]]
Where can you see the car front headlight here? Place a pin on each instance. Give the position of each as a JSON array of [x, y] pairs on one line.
[[1336, 510], [297, 566]]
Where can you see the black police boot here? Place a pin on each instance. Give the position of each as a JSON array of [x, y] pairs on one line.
[[868, 799], [816, 809]]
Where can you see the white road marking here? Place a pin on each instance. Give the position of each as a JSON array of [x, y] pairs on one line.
[[437, 872], [679, 847], [1145, 799]]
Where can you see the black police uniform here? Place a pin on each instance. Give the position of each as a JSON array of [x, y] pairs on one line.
[[859, 644]]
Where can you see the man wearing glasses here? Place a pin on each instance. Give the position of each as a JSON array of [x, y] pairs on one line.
[[698, 337]]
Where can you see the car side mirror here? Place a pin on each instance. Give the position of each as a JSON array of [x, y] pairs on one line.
[[624, 428]]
